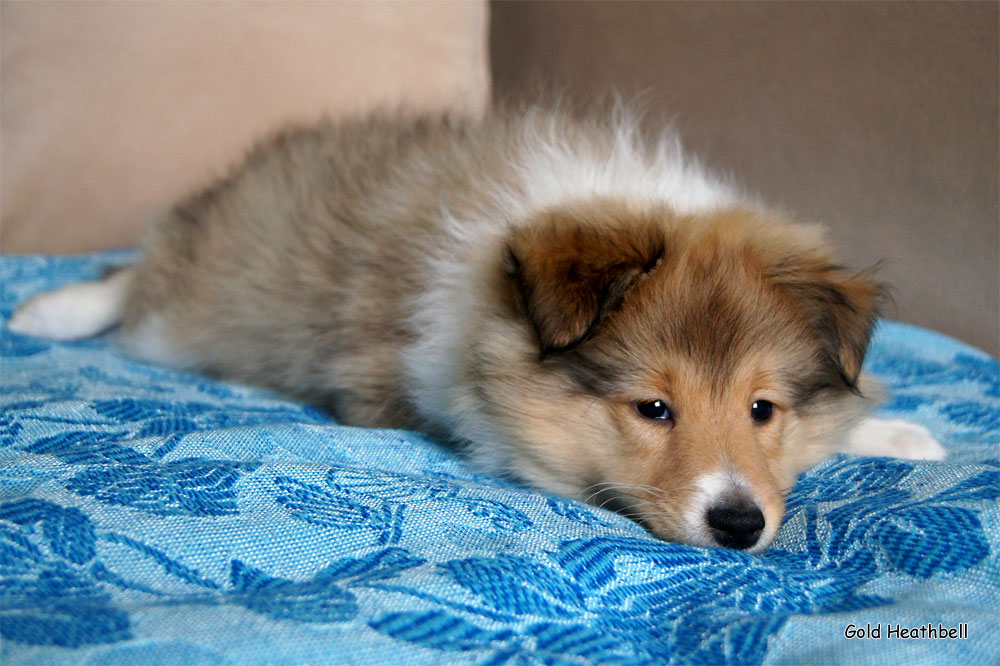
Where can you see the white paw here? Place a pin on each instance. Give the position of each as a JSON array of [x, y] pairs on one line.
[[894, 438], [41, 316], [71, 313]]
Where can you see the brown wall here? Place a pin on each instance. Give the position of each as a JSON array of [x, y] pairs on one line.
[[879, 119]]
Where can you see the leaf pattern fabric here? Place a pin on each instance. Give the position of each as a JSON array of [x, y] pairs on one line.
[[155, 516]]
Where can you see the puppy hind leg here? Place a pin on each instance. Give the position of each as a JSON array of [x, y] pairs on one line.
[[893, 438], [75, 311]]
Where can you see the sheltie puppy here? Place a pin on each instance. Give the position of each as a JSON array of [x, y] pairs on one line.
[[579, 308]]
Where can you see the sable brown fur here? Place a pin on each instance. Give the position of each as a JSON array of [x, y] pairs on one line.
[[572, 267], [524, 285]]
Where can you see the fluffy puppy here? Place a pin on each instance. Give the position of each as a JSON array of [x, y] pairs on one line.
[[586, 311]]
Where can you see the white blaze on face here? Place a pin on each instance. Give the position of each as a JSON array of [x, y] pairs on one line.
[[730, 492]]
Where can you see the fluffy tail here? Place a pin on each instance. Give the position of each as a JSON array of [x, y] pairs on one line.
[[76, 311]]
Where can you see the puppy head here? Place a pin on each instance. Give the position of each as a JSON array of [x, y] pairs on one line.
[[683, 370]]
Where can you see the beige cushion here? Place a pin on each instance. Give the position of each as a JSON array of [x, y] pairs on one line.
[[110, 110]]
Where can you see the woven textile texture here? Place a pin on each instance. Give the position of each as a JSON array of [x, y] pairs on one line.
[[159, 517]]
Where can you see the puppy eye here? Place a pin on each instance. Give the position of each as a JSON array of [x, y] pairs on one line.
[[761, 411], [654, 409]]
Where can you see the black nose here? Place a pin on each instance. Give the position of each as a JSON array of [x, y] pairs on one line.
[[736, 524]]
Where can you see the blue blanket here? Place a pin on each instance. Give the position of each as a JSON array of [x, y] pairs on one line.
[[159, 517]]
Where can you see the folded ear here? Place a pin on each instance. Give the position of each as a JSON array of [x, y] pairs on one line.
[[842, 308], [570, 274]]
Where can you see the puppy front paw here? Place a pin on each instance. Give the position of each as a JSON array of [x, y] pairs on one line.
[[893, 438]]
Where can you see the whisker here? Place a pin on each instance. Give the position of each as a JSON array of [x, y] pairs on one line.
[[627, 484], [602, 504], [624, 487]]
